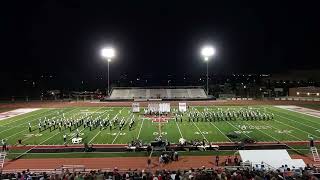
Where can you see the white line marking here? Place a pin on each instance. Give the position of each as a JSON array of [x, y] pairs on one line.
[[235, 127], [200, 132], [121, 128], [296, 128], [220, 131], [84, 128], [199, 128], [239, 129], [48, 138], [54, 111], [34, 120], [179, 129], [264, 133], [100, 131], [26, 112], [120, 131], [285, 133], [295, 121], [302, 114], [94, 137], [37, 145], [141, 127]]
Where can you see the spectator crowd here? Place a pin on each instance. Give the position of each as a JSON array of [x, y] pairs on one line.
[[308, 173]]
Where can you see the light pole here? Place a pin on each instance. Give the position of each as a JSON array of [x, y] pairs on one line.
[[207, 52], [108, 53]]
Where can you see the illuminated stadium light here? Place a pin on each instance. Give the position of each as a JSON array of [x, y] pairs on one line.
[[298, 93], [207, 52], [108, 53], [318, 94], [308, 94]]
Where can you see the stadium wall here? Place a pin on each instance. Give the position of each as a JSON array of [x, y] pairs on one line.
[[62, 104]]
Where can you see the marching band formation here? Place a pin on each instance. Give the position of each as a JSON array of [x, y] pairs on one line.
[[210, 115], [86, 120], [93, 121], [193, 115]]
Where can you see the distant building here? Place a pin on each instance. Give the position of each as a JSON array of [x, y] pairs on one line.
[[309, 91]]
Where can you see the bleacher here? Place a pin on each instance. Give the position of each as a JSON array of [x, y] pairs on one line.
[[197, 93], [165, 93], [2, 159]]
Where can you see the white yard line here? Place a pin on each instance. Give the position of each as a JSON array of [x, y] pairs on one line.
[[220, 131], [140, 128], [235, 126], [15, 113], [100, 131], [23, 140], [301, 117], [265, 133], [159, 126], [34, 120], [24, 117], [27, 121], [120, 130], [296, 121], [238, 129], [201, 132], [94, 137], [199, 128], [296, 128], [179, 129], [48, 138], [14, 134], [85, 128], [285, 133], [289, 108], [37, 145]]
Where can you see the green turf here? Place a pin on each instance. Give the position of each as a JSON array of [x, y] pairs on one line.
[[286, 126], [15, 154], [311, 106]]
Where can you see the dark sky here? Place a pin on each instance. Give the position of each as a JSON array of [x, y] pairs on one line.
[[158, 37]]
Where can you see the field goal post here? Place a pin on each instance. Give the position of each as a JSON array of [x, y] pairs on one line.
[[135, 107]]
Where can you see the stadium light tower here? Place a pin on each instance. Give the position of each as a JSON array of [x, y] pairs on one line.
[[108, 53], [207, 52]]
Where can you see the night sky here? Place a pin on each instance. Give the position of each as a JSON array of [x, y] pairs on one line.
[[158, 37]]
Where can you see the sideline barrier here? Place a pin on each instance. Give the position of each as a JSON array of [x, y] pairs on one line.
[[297, 99]]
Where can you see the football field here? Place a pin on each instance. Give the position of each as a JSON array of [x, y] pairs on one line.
[[285, 126]]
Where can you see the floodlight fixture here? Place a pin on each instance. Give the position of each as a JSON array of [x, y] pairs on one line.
[[108, 53], [207, 52]]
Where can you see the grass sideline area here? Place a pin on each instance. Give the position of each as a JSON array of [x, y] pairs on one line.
[[113, 154], [5, 109], [311, 106], [301, 150]]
